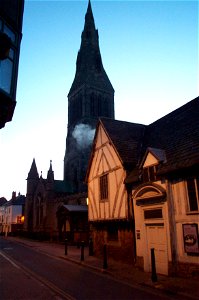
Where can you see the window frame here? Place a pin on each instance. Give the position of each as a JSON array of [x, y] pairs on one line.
[[196, 192], [149, 176], [11, 59], [103, 188]]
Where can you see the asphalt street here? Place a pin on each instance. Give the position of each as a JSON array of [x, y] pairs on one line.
[[29, 274]]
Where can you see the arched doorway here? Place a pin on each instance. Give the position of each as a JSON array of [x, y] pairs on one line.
[[151, 223]]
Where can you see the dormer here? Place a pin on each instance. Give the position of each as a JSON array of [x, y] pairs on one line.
[[152, 159]]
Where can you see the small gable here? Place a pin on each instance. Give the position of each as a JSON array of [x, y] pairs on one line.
[[153, 156], [150, 160]]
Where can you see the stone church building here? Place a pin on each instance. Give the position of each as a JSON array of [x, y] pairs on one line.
[[52, 206], [91, 96]]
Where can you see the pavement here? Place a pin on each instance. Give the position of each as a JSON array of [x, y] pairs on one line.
[[188, 288]]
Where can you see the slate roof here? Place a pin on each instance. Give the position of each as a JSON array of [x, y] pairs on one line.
[[2, 201], [19, 200], [61, 186], [126, 138], [177, 134], [76, 208]]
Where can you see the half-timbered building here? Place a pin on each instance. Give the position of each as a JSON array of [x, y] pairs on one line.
[[114, 154], [143, 191]]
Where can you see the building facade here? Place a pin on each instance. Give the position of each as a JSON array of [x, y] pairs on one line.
[[148, 177], [12, 215], [44, 196], [113, 156], [11, 18], [166, 202]]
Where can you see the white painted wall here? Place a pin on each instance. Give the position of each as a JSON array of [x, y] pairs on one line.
[[183, 216]]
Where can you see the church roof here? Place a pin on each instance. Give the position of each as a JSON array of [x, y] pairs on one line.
[[61, 186], [76, 208], [89, 67]]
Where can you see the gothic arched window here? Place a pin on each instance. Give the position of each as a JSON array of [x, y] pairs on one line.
[[39, 209], [99, 106], [106, 108], [92, 105]]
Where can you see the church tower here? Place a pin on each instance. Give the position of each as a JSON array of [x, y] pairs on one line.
[[91, 96]]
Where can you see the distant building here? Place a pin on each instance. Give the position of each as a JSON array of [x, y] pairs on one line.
[[2, 202], [12, 215], [43, 198], [143, 191], [11, 17]]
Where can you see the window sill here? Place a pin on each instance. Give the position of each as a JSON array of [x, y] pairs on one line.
[[192, 212]]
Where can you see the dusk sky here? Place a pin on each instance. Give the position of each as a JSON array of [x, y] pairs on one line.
[[149, 50]]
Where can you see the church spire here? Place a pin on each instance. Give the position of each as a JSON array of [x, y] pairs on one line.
[[50, 176], [91, 96], [89, 19], [32, 179], [33, 173], [89, 67]]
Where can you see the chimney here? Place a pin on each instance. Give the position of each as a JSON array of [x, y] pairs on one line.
[[13, 195]]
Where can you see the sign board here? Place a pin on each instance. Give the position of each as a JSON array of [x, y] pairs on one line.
[[190, 237]]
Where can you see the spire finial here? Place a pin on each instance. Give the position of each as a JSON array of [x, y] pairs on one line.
[[89, 19]]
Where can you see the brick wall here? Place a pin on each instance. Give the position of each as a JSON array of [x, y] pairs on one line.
[[121, 250]]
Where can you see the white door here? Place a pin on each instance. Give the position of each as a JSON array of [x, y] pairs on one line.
[[156, 238]]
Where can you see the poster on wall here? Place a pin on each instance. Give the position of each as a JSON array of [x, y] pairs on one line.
[[190, 236]]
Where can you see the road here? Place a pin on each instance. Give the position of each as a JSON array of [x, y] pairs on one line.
[[27, 274]]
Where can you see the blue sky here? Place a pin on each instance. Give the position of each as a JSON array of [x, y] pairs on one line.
[[150, 53]]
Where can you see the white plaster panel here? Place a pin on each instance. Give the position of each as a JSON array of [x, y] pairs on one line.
[[150, 160]]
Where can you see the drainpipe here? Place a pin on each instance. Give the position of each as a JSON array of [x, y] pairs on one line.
[[172, 228], [132, 217]]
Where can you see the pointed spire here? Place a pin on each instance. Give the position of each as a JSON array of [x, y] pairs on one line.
[[89, 19], [50, 176], [89, 34], [89, 66], [33, 173]]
